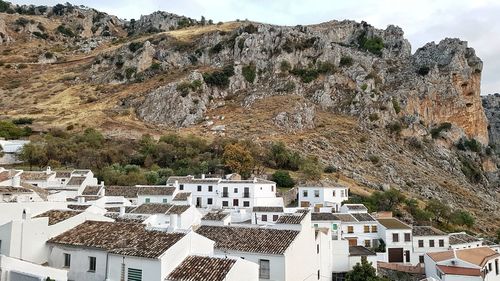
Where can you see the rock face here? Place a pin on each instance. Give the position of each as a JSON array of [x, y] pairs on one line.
[[299, 118], [160, 21], [4, 36], [491, 104]]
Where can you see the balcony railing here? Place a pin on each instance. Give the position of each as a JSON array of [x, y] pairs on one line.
[[246, 195], [225, 194]]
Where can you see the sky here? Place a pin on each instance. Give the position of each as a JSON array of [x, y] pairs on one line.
[[475, 21]]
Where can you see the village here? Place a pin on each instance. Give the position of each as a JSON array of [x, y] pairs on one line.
[[67, 225]]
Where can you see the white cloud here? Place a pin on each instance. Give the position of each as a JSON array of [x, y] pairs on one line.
[[423, 21]]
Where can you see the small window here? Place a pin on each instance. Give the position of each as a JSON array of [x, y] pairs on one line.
[[0, 247], [497, 267], [275, 217], [246, 203], [147, 200], [67, 260], [199, 188], [315, 225], [342, 193], [420, 243], [368, 243], [181, 187], [366, 229], [304, 193], [490, 267], [421, 259], [165, 200], [209, 201], [374, 229], [264, 217], [272, 188], [395, 237], [210, 188], [431, 243], [333, 193], [407, 237], [441, 242], [350, 229], [92, 264], [235, 190], [317, 248], [316, 193], [225, 203], [134, 274], [264, 269], [318, 274]]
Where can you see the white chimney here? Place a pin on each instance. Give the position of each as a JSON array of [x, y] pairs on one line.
[[122, 211], [26, 214], [202, 176], [49, 170], [16, 180], [81, 199]]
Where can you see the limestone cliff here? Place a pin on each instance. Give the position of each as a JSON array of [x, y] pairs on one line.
[[491, 104]]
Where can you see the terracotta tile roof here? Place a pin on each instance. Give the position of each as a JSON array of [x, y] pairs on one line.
[[130, 239], [249, 239], [215, 216], [264, 209], [360, 251], [295, 218], [345, 217], [456, 270], [151, 208], [76, 181], [462, 238], [156, 190], [441, 256], [125, 191], [196, 268], [323, 217], [355, 207], [129, 218], [392, 223], [363, 217], [5, 175], [478, 256], [182, 196], [78, 207], [10, 189], [34, 176], [63, 174], [177, 209], [191, 179], [57, 216], [91, 190], [427, 231]]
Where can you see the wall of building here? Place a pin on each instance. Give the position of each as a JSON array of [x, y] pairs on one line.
[[243, 270], [25, 239], [10, 266], [141, 199], [340, 254], [151, 268], [325, 256], [79, 266], [300, 264], [14, 211], [359, 232], [420, 251]]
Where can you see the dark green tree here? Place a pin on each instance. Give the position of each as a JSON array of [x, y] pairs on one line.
[[283, 179], [362, 272]]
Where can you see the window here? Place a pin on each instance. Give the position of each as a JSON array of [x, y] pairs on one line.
[[209, 201], [246, 203], [235, 190], [421, 259], [420, 243], [318, 274], [147, 200], [342, 193], [441, 242], [317, 248], [395, 237], [272, 188], [497, 269], [350, 229], [134, 274], [225, 203], [199, 188], [366, 229], [316, 193], [490, 267], [92, 263], [0, 247], [264, 217], [235, 203], [67, 260], [181, 187], [264, 269], [374, 229], [165, 200], [315, 225], [368, 243], [333, 193], [407, 237], [334, 226], [210, 188], [275, 217], [304, 193], [431, 243]]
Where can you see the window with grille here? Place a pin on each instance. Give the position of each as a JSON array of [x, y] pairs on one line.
[[67, 260], [134, 274], [264, 269], [350, 229], [92, 264]]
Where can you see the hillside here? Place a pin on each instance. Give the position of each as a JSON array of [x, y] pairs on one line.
[[351, 94]]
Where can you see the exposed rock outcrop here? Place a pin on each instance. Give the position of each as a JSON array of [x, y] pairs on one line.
[[4, 35], [491, 104]]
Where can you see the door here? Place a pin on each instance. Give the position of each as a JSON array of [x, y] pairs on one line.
[[235, 203], [407, 256], [198, 202], [304, 204], [395, 254], [352, 241]]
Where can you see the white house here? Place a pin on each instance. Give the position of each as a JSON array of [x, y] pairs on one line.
[[353, 208], [282, 254], [10, 148], [323, 196], [216, 218], [327, 220], [472, 264], [360, 229], [463, 240], [215, 269], [265, 215], [122, 251], [12, 269], [216, 193], [427, 239], [155, 194], [397, 238]]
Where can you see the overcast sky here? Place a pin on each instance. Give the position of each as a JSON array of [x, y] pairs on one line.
[[475, 21]]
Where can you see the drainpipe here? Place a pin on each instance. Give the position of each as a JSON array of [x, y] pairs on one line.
[[107, 267]]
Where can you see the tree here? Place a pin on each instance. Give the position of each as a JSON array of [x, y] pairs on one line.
[[33, 153], [283, 179], [439, 210], [362, 272], [311, 169], [388, 200], [239, 159], [462, 218]]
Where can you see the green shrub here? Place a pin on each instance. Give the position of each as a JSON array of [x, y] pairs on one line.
[[155, 66], [66, 31], [373, 45], [285, 66], [374, 159], [219, 78], [283, 179], [288, 87], [469, 144], [134, 46], [373, 117], [9, 130], [23, 121], [250, 29], [396, 106], [216, 48], [346, 61], [330, 169], [130, 72], [249, 73], [311, 169], [49, 55], [471, 170], [395, 127], [4, 6], [22, 21], [185, 87], [436, 132], [364, 87], [40, 35]]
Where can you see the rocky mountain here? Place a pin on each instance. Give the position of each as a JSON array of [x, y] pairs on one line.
[[351, 94], [491, 105]]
